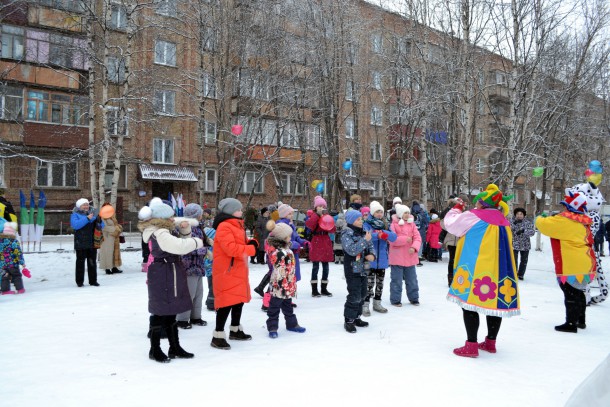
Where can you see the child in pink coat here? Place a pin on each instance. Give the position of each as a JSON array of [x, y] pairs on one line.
[[433, 235], [404, 257]]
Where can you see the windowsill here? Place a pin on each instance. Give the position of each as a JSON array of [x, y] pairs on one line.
[[162, 163], [119, 29], [57, 124], [120, 135], [163, 64], [74, 188], [166, 114], [166, 15]]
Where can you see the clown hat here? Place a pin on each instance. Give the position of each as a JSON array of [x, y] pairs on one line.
[[575, 202], [492, 197]]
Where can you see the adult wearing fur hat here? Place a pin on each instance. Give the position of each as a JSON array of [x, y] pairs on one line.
[[11, 257], [522, 229], [166, 274], [194, 264], [321, 247], [110, 249], [85, 222], [485, 277], [230, 271], [573, 254], [381, 236]]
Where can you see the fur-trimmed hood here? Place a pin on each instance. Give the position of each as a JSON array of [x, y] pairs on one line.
[[5, 236], [148, 227]]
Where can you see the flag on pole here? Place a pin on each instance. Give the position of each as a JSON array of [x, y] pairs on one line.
[[42, 202], [24, 218], [180, 211], [174, 203]]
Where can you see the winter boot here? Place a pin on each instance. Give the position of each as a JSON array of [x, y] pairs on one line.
[[469, 350], [155, 352], [116, 271], [175, 350], [108, 271], [314, 289], [581, 324], [378, 307], [219, 341], [488, 345], [324, 291], [360, 323], [8, 292], [365, 309], [350, 326], [567, 327], [260, 289], [237, 334], [22, 291], [298, 329]]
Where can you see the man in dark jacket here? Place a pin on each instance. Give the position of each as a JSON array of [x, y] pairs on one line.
[[598, 240], [83, 222]]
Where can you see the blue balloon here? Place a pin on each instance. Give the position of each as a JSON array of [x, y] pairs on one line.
[[596, 166], [347, 164], [320, 187]]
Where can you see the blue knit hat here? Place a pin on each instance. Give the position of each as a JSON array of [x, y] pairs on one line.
[[210, 232], [352, 216], [193, 210], [161, 211]]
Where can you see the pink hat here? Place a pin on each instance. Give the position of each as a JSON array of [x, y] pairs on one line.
[[365, 210], [284, 210], [9, 228], [319, 201]]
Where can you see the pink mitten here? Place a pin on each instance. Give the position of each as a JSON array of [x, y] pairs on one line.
[[26, 273]]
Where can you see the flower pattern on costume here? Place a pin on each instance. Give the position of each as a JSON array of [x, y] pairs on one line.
[[10, 250], [462, 280], [283, 282], [508, 291], [485, 288]]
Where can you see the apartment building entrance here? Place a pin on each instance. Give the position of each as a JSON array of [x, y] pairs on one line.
[[162, 189]]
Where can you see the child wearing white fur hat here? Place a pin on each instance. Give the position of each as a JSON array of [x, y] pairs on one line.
[[404, 257], [11, 257], [283, 284]]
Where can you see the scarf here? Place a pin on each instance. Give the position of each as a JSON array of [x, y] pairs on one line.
[[376, 224]]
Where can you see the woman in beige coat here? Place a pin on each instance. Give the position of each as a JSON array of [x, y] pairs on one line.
[[110, 250]]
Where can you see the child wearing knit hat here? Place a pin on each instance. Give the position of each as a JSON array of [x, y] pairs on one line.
[[283, 282], [321, 247], [11, 257]]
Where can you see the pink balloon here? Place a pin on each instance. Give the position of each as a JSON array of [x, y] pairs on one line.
[[588, 172], [236, 129]]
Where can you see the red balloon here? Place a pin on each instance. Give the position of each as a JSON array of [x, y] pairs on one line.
[[236, 129], [588, 172]]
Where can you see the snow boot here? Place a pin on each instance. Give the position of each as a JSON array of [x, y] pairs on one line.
[[469, 350], [365, 309], [219, 341], [324, 291], [298, 329], [108, 271], [22, 291], [8, 292], [314, 289], [581, 324], [350, 326], [155, 352], [260, 289], [378, 307], [175, 350], [237, 334], [488, 345], [116, 271], [360, 323], [567, 327], [273, 334]]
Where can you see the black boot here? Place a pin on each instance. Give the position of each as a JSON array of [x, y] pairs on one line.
[[108, 271], [116, 270], [175, 350], [155, 352], [350, 326], [567, 327], [237, 334], [260, 289], [219, 341], [360, 323], [314, 288], [324, 291], [581, 322]]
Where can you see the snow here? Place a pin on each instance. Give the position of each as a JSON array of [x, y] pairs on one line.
[[65, 346]]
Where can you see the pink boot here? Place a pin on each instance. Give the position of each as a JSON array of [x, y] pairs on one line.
[[22, 291], [8, 292], [469, 350], [488, 345]]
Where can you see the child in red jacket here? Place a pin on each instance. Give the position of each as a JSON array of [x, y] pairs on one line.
[[433, 237]]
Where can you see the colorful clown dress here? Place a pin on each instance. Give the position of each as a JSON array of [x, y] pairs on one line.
[[485, 276]]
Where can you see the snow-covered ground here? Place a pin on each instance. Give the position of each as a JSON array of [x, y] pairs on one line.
[[69, 346]]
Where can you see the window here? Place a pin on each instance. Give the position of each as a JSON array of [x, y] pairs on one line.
[[210, 133], [165, 53], [312, 137], [500, 78], [377, 43], [12, 42], [399, 188], [399, 114], [558, 197], [116, 126], [116, 70], [292, 185], [269, 132], [62, 50], [480, 136], [2, 184], [375, 152], [210, 180], [403, 46], [376, 78], [118, 17], [163, 151], [57, 108], [122, 181], [56, 175], [210, 42], [290, 136], [349, 127], [376, 116], [250, 184], [480, 165], [351, 53], [378, 185], [69, 5], [349, 90], [167, 8], [11, 103], [209, 86], [165, 102]]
